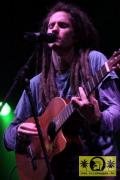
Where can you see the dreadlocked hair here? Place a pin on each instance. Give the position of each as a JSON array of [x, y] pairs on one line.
[[79, 71], [49, 89], [87, 38]]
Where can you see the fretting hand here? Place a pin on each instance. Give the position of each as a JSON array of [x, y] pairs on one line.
[[88, 107]]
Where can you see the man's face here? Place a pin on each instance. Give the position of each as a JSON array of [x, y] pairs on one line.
[[60, 24]]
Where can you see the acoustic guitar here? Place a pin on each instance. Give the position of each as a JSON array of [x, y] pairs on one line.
[[51, 122]]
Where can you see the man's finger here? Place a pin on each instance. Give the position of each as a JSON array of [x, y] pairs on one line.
[[82, 94]]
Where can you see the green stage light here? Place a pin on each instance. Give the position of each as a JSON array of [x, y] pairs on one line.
[[5, 110]]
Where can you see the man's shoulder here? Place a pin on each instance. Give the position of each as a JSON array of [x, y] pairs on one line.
[[36, 78], [96, 54], [35, 81], [96, 58]]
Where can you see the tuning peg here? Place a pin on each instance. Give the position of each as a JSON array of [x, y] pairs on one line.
[[115, 58], [115, 52], [118, 66]]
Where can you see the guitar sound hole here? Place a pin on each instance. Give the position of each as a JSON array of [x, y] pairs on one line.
[[51, 131]]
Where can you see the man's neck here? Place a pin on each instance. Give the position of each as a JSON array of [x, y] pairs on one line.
[[62, 61]]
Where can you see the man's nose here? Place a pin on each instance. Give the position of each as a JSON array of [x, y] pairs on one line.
[[55, 28]]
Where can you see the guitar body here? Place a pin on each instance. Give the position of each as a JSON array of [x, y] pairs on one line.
[[54, 109], [23, 162]]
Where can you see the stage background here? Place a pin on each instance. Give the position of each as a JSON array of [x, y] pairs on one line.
[[24, 16]]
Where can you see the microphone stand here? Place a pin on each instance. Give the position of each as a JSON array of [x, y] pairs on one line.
[[21, 76], [35, 115]]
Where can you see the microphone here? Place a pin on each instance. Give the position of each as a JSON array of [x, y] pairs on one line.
[[40, 37]]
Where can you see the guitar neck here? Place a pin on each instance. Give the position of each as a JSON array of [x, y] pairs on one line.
[[93, 82], [61, 118], [88, 87]]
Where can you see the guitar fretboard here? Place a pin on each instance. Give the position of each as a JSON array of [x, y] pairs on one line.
[[63, 116], [95, 80]]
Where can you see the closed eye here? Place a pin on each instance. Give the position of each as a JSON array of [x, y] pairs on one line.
[[50, 26], [63, 25], [60, 24]]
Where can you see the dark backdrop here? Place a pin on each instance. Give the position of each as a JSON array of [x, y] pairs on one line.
[[22, 16]]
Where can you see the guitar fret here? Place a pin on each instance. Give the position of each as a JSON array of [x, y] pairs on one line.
[[87, 87], [107, 67], [68, 111], [62, 116], [92, 84], [86, 90], [71, 108], [104, 70], [60, 120], [101, 73], [57, 121], [97, 77], [92, 79]]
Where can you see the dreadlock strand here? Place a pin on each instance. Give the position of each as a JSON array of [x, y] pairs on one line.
[[77, 76], [54, 91], [85, 66], [72, 78], [44, 75]]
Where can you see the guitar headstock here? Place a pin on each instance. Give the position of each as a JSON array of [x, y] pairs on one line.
[[114, 61]]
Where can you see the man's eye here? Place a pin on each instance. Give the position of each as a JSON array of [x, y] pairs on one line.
[[50, 26], [60, 24], [63, 25]]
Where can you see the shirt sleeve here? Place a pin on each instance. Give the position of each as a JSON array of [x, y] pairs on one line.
[[22, 112], [108, 93], [110, 105]]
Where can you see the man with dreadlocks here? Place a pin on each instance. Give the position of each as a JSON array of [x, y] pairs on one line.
[[67, 64]]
